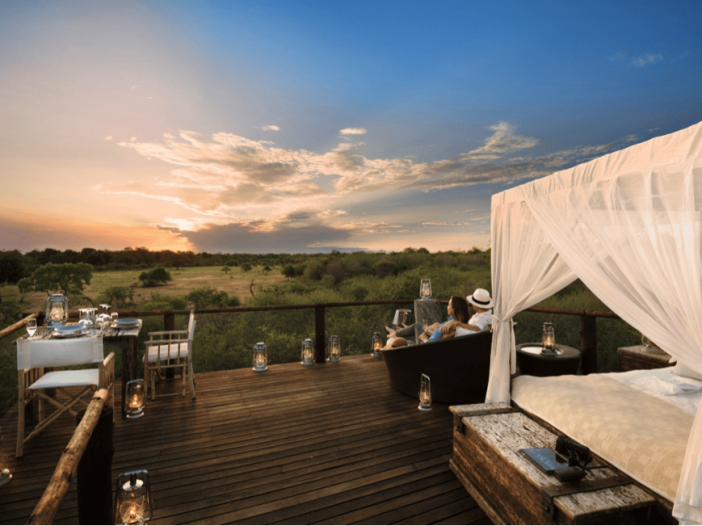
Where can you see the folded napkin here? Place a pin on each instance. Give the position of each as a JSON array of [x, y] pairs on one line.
[[675, 386]]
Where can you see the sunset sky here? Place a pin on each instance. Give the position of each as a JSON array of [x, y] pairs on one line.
[[300, 126]]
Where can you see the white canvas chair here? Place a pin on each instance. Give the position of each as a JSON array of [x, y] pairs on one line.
[[176, 346], [34, 356]]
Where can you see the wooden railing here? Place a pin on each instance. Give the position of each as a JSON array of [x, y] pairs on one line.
[[588, 322], [50, 502]]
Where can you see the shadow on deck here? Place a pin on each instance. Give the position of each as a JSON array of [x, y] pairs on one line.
[[331, 443]]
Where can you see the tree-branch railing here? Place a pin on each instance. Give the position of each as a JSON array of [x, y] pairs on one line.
[[588, 318], [54, 494]]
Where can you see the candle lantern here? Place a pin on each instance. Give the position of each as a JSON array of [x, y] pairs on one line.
[[425, 393], [425, 289], [133, 500], [307, 355], [135, 399], [548, 339], [260, 357], [376, 345], [5, 475], [56, 310], [334, 349]]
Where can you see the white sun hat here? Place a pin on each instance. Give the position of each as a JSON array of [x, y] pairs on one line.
[[480, 298]]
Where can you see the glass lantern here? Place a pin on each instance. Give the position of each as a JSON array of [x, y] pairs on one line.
[[376, 345], [425, 289], [135, 399], [425, 393], [5, 475], [307, 354], [334, 349], [133, 500], [56, 310], [548, 339], [260, 357]]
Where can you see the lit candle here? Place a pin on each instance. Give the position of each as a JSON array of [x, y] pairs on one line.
[[132, 513], [425, 393]]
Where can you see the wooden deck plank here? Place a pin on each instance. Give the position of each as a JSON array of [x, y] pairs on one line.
[[332, 443]]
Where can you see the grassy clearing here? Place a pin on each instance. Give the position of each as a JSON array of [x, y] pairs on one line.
[[235, 282]]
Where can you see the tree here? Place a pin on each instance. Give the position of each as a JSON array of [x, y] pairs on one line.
[[157, 276], [226, 269], [116, 295], [289, 271], [246, 267], [11, 267], [206, 297], [69, 278], [266, 270]]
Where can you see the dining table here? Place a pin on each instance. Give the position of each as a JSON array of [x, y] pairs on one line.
[[126, 338]]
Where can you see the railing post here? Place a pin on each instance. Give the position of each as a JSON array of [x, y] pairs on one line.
[[320, 335], [94, 483], [169, 325], [588, 343]]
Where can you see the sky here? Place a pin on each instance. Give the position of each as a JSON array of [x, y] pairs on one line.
[[278, 126]]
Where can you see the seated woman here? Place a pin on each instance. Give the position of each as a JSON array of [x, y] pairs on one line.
[[457, 311], [482, 304]]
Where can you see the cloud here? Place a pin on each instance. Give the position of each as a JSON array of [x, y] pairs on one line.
[[108, 138], [646, 60], [445, 223], [271, 127], [617, 57], [353, 131], [227, 179]]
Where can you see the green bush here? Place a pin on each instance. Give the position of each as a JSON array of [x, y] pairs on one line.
[[157, 276]]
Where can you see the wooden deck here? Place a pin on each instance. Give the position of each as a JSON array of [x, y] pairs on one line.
[[331, 443]]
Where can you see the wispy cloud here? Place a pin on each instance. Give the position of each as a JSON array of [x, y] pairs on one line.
[[639, 61], [108, 138], [271, 127], [646, 60], [227, 179], [353, 131]]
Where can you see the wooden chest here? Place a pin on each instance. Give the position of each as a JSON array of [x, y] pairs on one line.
[[510, 490]]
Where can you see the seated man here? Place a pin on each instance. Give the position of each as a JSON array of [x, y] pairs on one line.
[[457, 308], [482, 303]]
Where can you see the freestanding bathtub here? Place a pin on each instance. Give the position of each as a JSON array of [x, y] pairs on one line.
[[458, 368]]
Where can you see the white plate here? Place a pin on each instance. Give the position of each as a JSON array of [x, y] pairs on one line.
[[127, 321], [70, 331]]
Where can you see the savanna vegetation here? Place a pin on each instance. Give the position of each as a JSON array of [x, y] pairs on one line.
[[138, 279]]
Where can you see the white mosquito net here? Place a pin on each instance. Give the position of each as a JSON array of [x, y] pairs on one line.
[[628, 225]]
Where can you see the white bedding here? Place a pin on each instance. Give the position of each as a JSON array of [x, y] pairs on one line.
[[683, 393]]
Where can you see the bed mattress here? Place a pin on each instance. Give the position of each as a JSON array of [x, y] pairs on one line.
[[638, 432]]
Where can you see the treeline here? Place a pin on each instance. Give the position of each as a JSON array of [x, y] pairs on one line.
[[314, 267]]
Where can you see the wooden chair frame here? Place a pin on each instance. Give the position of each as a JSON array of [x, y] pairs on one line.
[[160, 339], [25, 378]]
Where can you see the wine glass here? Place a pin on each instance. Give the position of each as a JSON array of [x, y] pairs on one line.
[[31, 327]]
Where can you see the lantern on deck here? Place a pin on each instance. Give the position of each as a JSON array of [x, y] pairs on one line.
[[56, 310], [334, 349], [548, 339], [307, 354], [425, 393], [425, 289], [135, 399], [376, 345], [5, 475], [260, 357], [133, 500]]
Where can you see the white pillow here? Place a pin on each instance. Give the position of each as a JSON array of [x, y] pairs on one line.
[[683, 370], [460, 331]]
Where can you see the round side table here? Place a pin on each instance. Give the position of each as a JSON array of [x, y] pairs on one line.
[[565, 362]]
